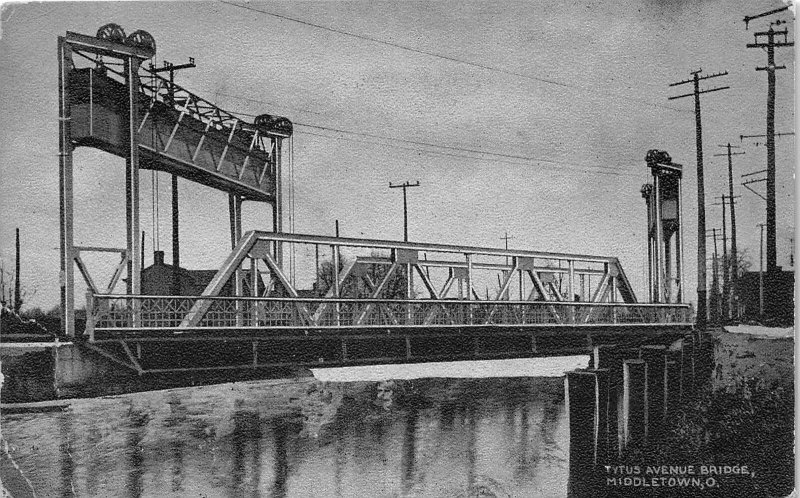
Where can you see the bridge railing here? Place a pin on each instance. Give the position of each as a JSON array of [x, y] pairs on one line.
[[111, 313]]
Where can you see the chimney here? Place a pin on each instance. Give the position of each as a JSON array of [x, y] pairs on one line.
[[158, 258]]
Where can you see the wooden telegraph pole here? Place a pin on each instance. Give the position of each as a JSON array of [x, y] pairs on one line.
[[702, 292], [734, 253], [770, 44], [176, 252], [405, 186]]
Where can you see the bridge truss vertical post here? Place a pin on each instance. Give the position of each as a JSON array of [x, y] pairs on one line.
[[67, 273], [337, 292], [235, 215]]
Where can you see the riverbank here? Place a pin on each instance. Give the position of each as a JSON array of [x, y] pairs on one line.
[[744, 353], [735, 437]]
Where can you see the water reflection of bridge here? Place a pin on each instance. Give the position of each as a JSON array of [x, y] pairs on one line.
[[512, 439]]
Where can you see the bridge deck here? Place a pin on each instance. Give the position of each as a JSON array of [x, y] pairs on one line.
[[148, 334]]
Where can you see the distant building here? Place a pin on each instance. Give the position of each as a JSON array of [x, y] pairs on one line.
[[162, 279], [780, 308]]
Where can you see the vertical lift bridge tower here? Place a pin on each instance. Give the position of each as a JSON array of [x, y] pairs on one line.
[[109, 101], [664, 229]]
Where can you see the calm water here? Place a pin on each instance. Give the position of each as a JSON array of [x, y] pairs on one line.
[[441, 438]]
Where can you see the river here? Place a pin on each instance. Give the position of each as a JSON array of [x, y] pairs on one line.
[[439, 437]]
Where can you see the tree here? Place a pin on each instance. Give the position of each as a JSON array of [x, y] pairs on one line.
[[7, 286], [359, 286], [724, 264]]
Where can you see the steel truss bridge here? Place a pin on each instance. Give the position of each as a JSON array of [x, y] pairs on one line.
[[339, 301], [389, 302]]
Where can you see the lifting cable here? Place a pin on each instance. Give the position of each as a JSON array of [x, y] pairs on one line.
[[154, 174]]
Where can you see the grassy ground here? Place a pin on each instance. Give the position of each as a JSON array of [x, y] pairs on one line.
[[741, 357]]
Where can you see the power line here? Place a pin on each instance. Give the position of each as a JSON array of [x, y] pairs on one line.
[[603, 169], [450, 58], [567, 166], [451, 147], [273, 104]]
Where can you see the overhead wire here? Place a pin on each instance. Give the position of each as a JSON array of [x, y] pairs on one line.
[[521, 162], [503, 157], [455, 59]]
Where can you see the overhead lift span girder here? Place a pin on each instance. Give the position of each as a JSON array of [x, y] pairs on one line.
[[186, 137]]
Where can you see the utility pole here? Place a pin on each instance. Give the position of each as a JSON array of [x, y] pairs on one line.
[[734, 254], [714, 300], [725, 262], [405, 186], [171, 68], [770, 68], [702, 311], [176, 249], [761, 273], [506, 238], [727, 267], [17, 286]]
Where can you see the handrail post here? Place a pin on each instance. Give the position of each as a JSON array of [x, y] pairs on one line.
[[470, 317]]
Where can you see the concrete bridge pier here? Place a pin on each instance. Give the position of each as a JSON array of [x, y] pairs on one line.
[[674, 386], [587, 404], [688, 367], [623, 402], [657, 385], [633, 420]]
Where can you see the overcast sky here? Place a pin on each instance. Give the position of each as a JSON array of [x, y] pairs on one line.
[[564, 98]]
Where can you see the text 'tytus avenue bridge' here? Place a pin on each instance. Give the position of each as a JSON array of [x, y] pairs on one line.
[[290, 299]]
